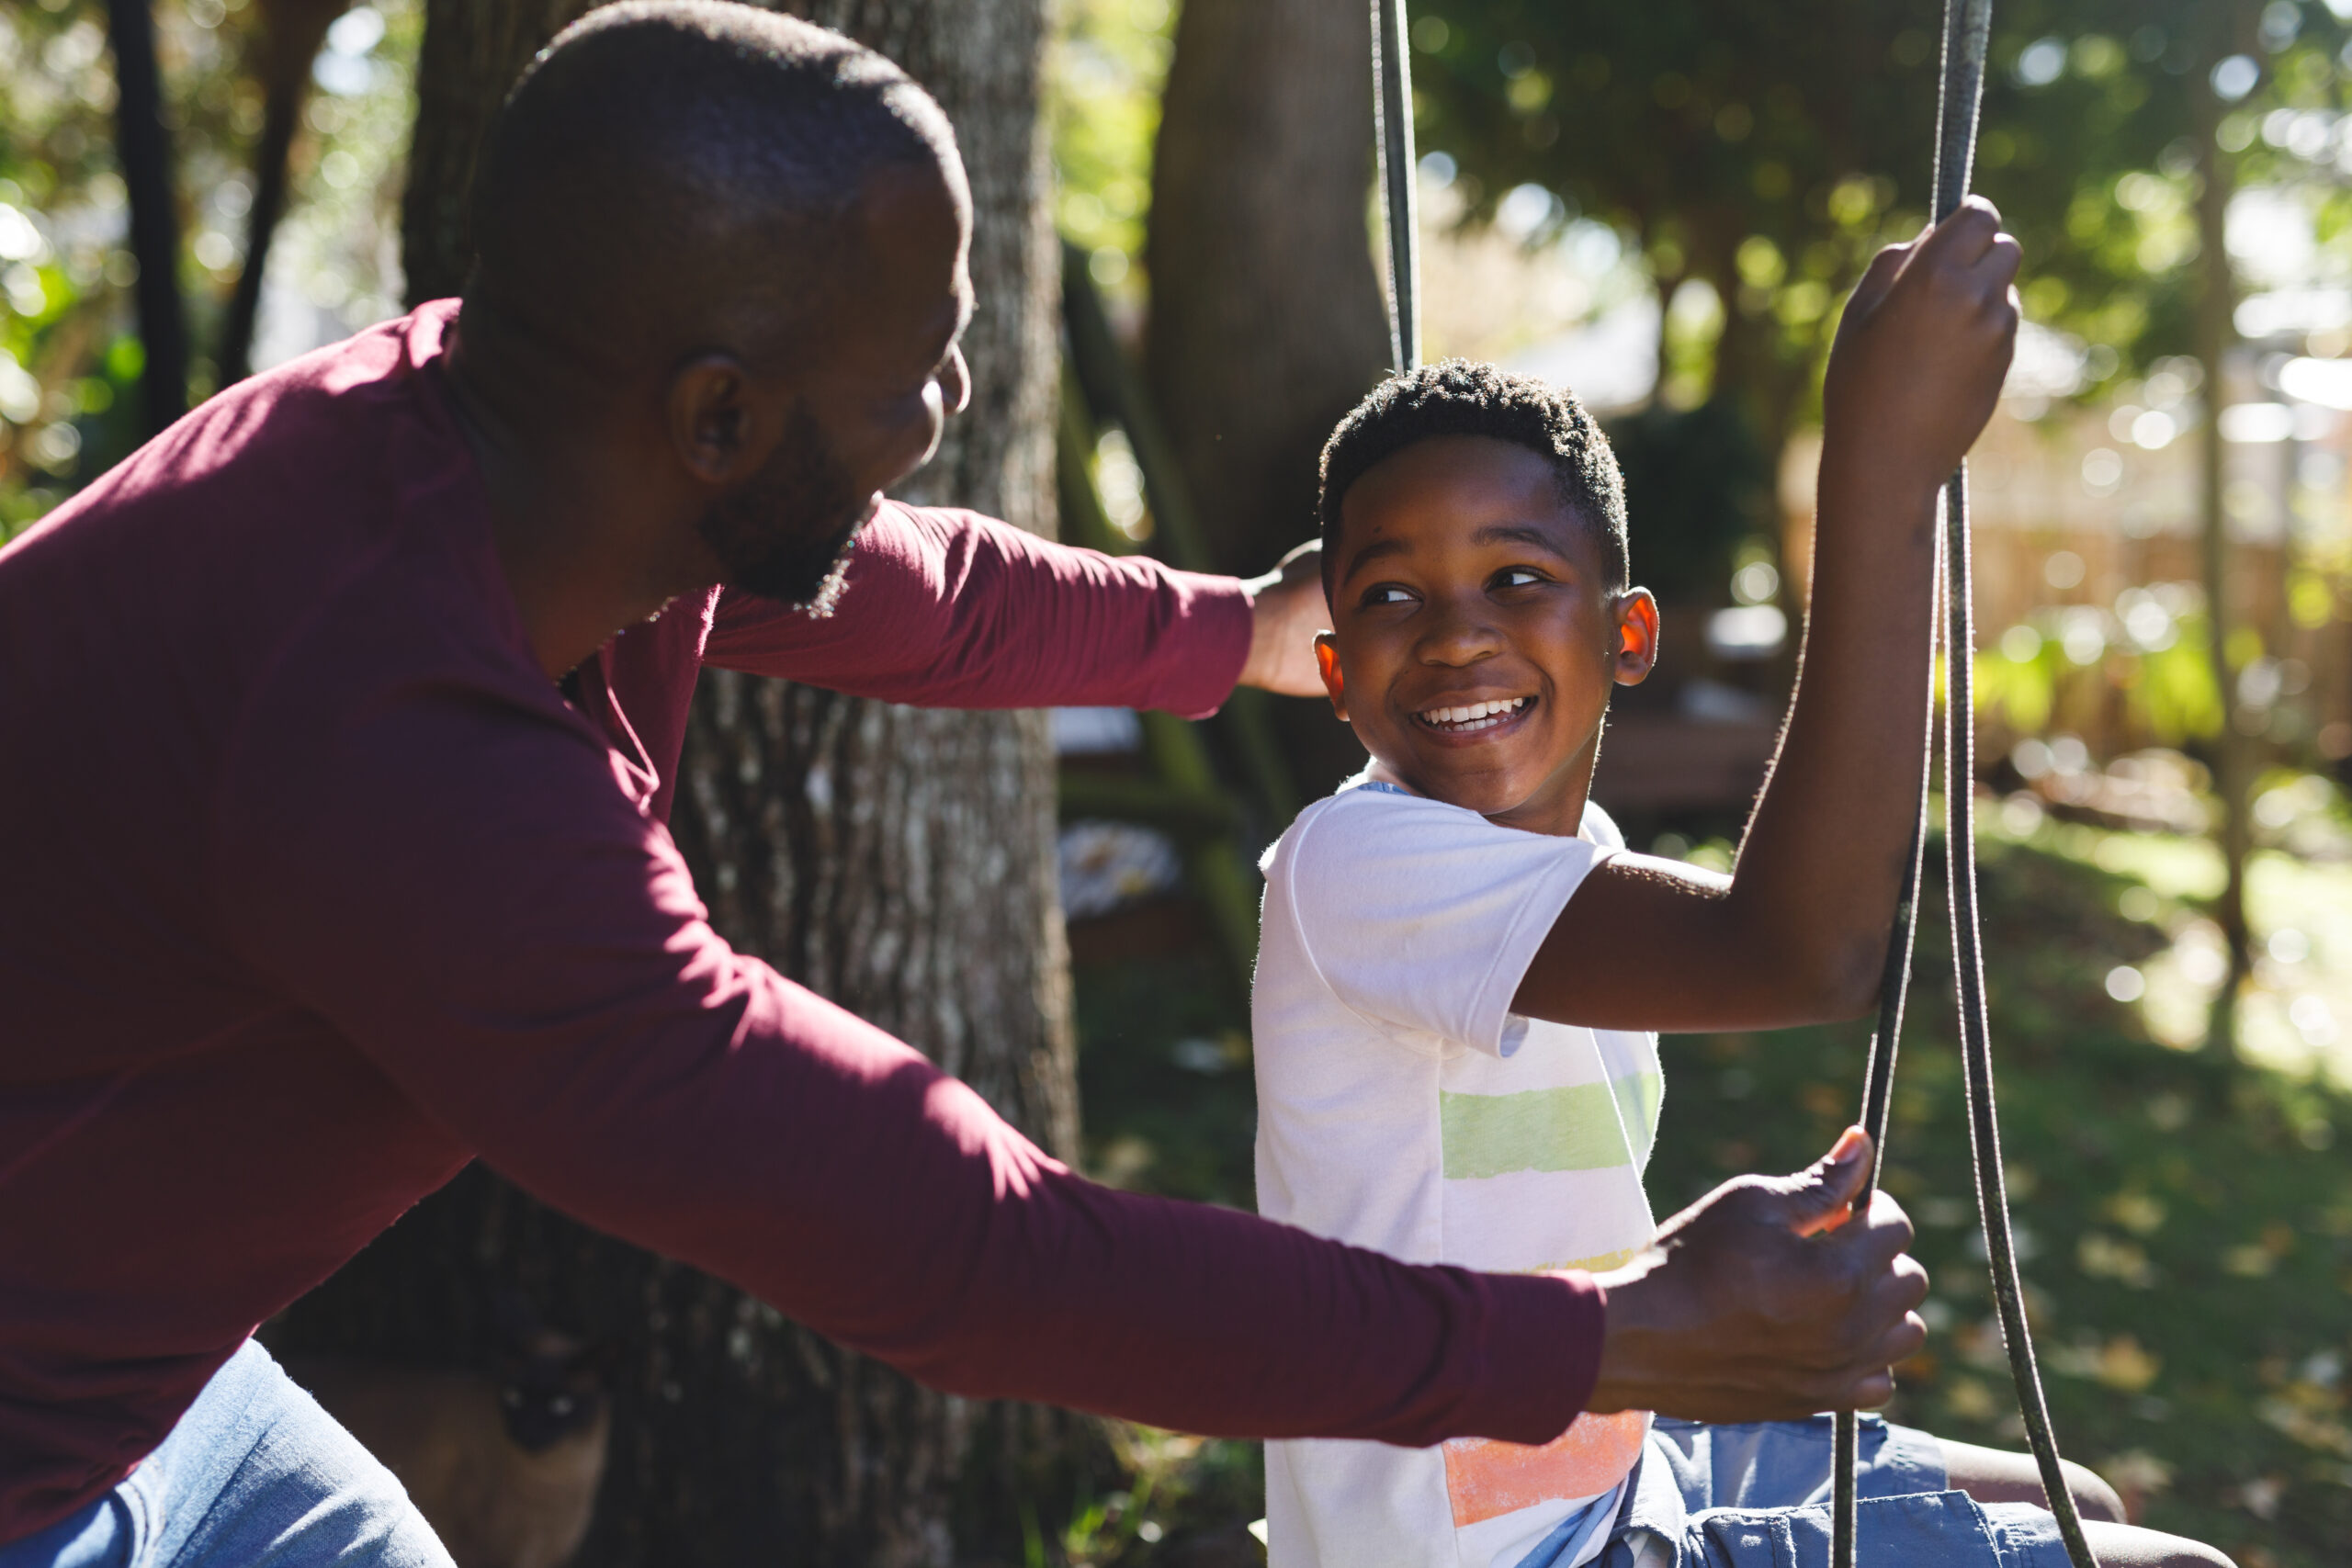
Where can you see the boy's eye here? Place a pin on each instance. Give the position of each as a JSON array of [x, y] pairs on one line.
[[1517, 577], [1387, 593]]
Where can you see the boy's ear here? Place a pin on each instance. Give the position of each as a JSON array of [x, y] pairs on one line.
[[1636, 636], [1327, 660]]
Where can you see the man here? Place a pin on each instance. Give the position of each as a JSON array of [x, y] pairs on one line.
[[343, 725]]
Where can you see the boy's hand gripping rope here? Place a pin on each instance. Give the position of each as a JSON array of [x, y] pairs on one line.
[[1967, 28]]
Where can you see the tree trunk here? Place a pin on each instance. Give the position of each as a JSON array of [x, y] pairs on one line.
[[897, 861], [2216, 302], [1267, 323], [472, 53], [291, 32], [143, 147], [1266, 317]]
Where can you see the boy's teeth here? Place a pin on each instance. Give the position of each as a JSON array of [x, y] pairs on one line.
[[1474, 713]]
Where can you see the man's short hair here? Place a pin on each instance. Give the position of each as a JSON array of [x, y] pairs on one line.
[[683, 167], [1458, 397]]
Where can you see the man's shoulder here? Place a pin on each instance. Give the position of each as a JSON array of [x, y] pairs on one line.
[[290, 455], [321, 524]]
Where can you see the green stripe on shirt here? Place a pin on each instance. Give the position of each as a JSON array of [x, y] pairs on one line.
[[1540, 1129]]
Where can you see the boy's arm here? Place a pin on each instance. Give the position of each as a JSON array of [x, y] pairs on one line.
[[1798, 934]]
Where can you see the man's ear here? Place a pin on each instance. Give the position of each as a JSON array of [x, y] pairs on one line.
[[715, 418], [1327, 660], [1636, 636]]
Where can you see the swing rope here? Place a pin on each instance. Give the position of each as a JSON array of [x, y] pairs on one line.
[[1967, 30], [1391, 134], [1878, 1083]]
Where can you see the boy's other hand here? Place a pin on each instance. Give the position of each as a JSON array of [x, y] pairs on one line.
[[1760, 1303], [1288, 609], [1924, 344]]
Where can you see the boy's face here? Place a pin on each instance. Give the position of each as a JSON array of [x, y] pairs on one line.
[[1464, 582]]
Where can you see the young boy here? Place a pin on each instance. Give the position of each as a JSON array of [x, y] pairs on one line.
[[1460, 963]]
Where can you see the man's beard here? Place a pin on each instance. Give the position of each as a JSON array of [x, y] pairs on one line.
[[787, 534]]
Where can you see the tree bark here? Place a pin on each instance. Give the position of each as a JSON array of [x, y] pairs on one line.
[[896, 860], [1266, 317]]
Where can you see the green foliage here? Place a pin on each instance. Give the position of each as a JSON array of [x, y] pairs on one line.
[[2153, 648], [2090, 145], [2172, 693], [1767, 155], [2021, 686], [64, 271], [1176, 1487], [1724, 121], [1761, 158], [69, 355], [1103, 113]]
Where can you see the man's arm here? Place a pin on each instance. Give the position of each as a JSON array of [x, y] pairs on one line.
[[1798, 934], [451, 876], [949, 609]]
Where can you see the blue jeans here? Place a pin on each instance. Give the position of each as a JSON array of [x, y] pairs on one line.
[[255, 1475], [1758, 1496]]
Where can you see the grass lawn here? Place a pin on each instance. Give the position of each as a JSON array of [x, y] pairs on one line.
[[2186, 1227]]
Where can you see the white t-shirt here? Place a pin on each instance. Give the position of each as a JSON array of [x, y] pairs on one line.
[[1403, 1106]]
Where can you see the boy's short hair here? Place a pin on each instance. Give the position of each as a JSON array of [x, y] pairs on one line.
[[1458, 397]]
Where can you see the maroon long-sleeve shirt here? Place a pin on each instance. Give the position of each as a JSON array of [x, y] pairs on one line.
[[313, 888]]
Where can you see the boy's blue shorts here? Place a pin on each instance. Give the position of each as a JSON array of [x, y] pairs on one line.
[[1758, 1496]]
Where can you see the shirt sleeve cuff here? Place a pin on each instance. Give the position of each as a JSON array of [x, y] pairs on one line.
[[1546, 1354], [1206, 660]]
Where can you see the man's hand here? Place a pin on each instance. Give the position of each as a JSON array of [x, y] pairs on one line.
[[1924, 344], [1289, 610], [1744, 1311]]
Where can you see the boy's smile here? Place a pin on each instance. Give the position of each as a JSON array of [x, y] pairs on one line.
[[1476, 631]]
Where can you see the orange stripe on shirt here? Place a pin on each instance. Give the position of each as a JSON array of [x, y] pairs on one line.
[[1484, 1479]]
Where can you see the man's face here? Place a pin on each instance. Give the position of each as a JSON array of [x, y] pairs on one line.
[[871, 394], [1477, 633]]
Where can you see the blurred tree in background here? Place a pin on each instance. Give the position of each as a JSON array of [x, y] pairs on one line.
[[1266, 320], [1266, 323], [279, 53], [1107, 65]]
